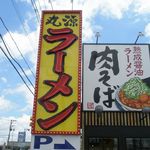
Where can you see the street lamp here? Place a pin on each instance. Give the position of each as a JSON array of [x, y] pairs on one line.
[[97, 35], [140, 34]]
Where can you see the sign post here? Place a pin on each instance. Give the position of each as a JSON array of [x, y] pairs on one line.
[[55, 142], [56, 108]]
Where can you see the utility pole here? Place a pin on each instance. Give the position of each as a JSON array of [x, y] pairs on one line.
[[12, 139], [10, 129]]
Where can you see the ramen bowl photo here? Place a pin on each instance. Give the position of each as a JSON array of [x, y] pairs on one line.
[[134, 95]]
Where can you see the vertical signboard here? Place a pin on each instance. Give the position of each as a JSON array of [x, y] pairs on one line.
[[57, 95], [116, 77]]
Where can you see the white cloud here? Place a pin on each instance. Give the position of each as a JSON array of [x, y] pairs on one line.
[[142, 7], [27, 1], [25, 43], [27, 72], [3, 79], [57, 4], [22, 90], [147, 30], [33, 55], [27, 46], [87, 32], [19, 38], [114, 8], [28, 97], [5, 104], [107, 8]]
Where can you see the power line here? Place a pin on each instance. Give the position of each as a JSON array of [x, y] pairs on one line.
[[35, 10], [16, 70], [44, 4], [17, 47], [51, 4], [19, 17], [14, 66], [15, 61], [39, 5]]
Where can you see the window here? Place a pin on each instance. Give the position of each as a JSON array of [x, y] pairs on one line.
[[138, 143], [103, 143]]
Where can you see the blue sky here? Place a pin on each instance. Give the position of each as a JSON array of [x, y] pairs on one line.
[[117, 21]]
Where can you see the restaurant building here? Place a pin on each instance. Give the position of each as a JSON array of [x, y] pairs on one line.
[[115, 90], [116, 97]]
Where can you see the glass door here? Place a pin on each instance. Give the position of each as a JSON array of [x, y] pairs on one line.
[[138, 143], [103, 143]]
